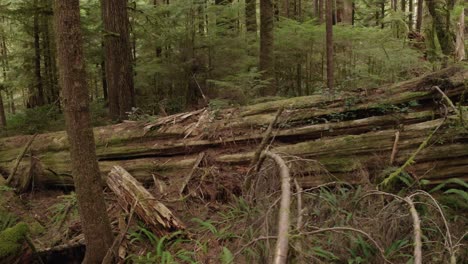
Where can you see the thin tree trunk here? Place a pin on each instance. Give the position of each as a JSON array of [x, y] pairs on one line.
[[419, 15], [410, 15], [85, 170], [2, 113], [266, 45], [118, 56], [329, 44], [38, 94], [251, 15]]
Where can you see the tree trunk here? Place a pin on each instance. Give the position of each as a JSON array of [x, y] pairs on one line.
[[85, 170], [410, 15], [2, 113], [118, 56], [329, 44], [266, 46], [441, 23], [460, 40], [37, 95], [419, 15], [251, 16]]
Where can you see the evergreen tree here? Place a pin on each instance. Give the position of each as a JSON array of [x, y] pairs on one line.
[[86, 175]]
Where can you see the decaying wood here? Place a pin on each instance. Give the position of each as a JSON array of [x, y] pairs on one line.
[[129, 191], [192, 172], [343, 136]]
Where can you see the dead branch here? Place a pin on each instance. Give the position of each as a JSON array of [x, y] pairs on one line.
[[192, 172], [395, 147], [20, 157], [281, 251], [416, 231]]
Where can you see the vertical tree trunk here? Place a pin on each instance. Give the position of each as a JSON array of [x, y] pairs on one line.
[[321, 10], [118, 56], [403, 5], [329, 39], [85, 170], [266, 45], [440, 14], [382, 13], [2, 113], [410, 15], [37, 97], [251, 15], [419, 15], [460, 38]]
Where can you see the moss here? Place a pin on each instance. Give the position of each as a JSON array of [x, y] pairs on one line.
[[11, 239], [36, 228]]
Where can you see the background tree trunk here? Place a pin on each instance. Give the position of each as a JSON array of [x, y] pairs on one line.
[[251, 15], [85, 170], [266, 45], [2, 112], [419, 15], [329, 39], [37, 95], [118, 56]]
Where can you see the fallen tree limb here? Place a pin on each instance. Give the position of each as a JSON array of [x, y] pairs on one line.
[[129, 191], [282, 244]]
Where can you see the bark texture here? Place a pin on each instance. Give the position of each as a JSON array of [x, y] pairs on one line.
[[251, 15], [85, 170], [329, 40], [118, 57], [266, 45]]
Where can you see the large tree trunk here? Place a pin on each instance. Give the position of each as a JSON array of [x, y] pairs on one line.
[[344, 139], [84, 167], [118, 56], [266, 46]]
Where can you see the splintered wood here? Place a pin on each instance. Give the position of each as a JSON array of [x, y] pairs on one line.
[[130, 193]]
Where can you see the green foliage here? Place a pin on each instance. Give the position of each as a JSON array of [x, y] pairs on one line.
[[162, 248], [37, 120], [11, 239], [226, 256], [61, 210], [7, 220]]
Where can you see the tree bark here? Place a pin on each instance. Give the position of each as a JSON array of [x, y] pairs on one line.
[[329, 44], [266, 46], [419, 15], [37, 96], [2, 113], [251, 16], [118, 56], [443, 29], [410, 15], [85, 170]]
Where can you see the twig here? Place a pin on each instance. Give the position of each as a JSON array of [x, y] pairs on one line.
[[416, 231], [395, 147], [192, 172], [410, 160], [34, 250], [447, 99], [281, 251], [118, 240], [20, 157], [299, 220]]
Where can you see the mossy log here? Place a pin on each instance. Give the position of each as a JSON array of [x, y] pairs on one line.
[[344, 135]]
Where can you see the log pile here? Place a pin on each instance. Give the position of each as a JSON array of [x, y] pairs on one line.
[[350, 137]]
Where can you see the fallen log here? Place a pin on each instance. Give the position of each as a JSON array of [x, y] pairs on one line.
[[130, 193], [344, 136]]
